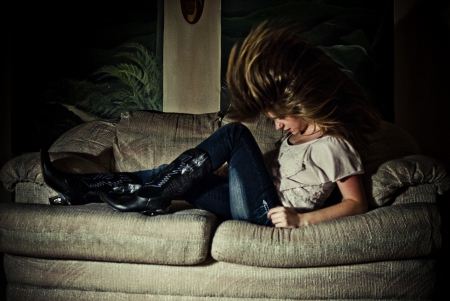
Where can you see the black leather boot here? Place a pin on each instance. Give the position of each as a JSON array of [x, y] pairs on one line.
[[80, 189], [173, 181]]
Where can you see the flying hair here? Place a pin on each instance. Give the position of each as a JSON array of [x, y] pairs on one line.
[[276, 70]]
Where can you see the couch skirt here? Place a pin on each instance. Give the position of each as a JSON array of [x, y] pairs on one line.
[[47, 279]]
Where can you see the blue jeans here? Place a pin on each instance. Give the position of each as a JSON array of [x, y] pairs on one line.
[[248, 193]]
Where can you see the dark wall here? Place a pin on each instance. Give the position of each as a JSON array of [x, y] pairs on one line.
[[56, 50], [5, 107], [422, 73]]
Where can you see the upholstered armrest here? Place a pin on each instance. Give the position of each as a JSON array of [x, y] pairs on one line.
[[27, 168], [395, 176], [83, 149]]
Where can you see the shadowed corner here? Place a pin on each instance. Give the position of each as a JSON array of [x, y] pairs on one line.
[[443, 258]]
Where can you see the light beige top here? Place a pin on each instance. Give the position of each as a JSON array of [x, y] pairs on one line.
[[308, 172]]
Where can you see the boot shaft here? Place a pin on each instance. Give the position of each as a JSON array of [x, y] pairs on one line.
[[93, 185], [176, 178]]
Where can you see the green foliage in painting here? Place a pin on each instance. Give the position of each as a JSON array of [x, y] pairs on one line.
[[134, 84]]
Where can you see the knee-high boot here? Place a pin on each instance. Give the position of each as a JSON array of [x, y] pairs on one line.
[[79, 189], [173, 181]]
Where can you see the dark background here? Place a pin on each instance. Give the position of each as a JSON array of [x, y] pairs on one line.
[[53, 43]]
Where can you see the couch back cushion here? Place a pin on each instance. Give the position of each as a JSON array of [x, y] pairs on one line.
[[146, 139], [263, 130], [389, 142]]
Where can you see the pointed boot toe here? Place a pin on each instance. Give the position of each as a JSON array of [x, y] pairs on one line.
[[135, 203]]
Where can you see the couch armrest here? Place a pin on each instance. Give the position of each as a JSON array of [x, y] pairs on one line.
[[83, 149], [395, 176], [26, 168]]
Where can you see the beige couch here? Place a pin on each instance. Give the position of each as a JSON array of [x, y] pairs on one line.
[[93, 252]]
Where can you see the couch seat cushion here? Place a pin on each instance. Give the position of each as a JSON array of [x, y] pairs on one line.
[[386, 233], [97, 232], [74, 280]]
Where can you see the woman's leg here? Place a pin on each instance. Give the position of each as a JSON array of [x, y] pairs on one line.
[[149, 174], [251, 189], [212, 194]]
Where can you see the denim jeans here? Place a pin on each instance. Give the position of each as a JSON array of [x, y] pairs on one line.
[[248, 193]]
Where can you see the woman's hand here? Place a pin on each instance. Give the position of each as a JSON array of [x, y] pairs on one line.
[[284, 217], [354, 203]]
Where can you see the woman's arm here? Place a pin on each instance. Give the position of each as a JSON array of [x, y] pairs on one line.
[[354, 203]]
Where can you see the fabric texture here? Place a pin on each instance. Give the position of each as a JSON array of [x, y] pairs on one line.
[[27, 167], [33, 193], [309, 171], [400, 230], [97, 232], [395, 176], [212, 280], [146, 140], [425, 193], [94, 138], [22, 169], [83, 149]]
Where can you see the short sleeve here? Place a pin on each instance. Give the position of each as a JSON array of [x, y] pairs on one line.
[[334, 159]]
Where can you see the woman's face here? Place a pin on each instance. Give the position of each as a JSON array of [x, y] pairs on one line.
[[294, 125]]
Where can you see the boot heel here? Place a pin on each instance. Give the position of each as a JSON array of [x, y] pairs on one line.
[[58, 200], [134, 203], [155, 212]]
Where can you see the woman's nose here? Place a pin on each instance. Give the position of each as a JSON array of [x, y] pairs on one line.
[[278, 125]]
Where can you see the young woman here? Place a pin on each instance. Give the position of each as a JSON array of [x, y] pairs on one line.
[[325, 115]]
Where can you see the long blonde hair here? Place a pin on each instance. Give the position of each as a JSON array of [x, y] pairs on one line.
[[276, 70]]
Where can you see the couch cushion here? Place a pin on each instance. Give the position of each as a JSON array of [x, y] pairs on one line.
[[386, 233], [97, 232], [146, 140], [263, 129], [91, 140], [389, 142], [91, 137], [73, 280]]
